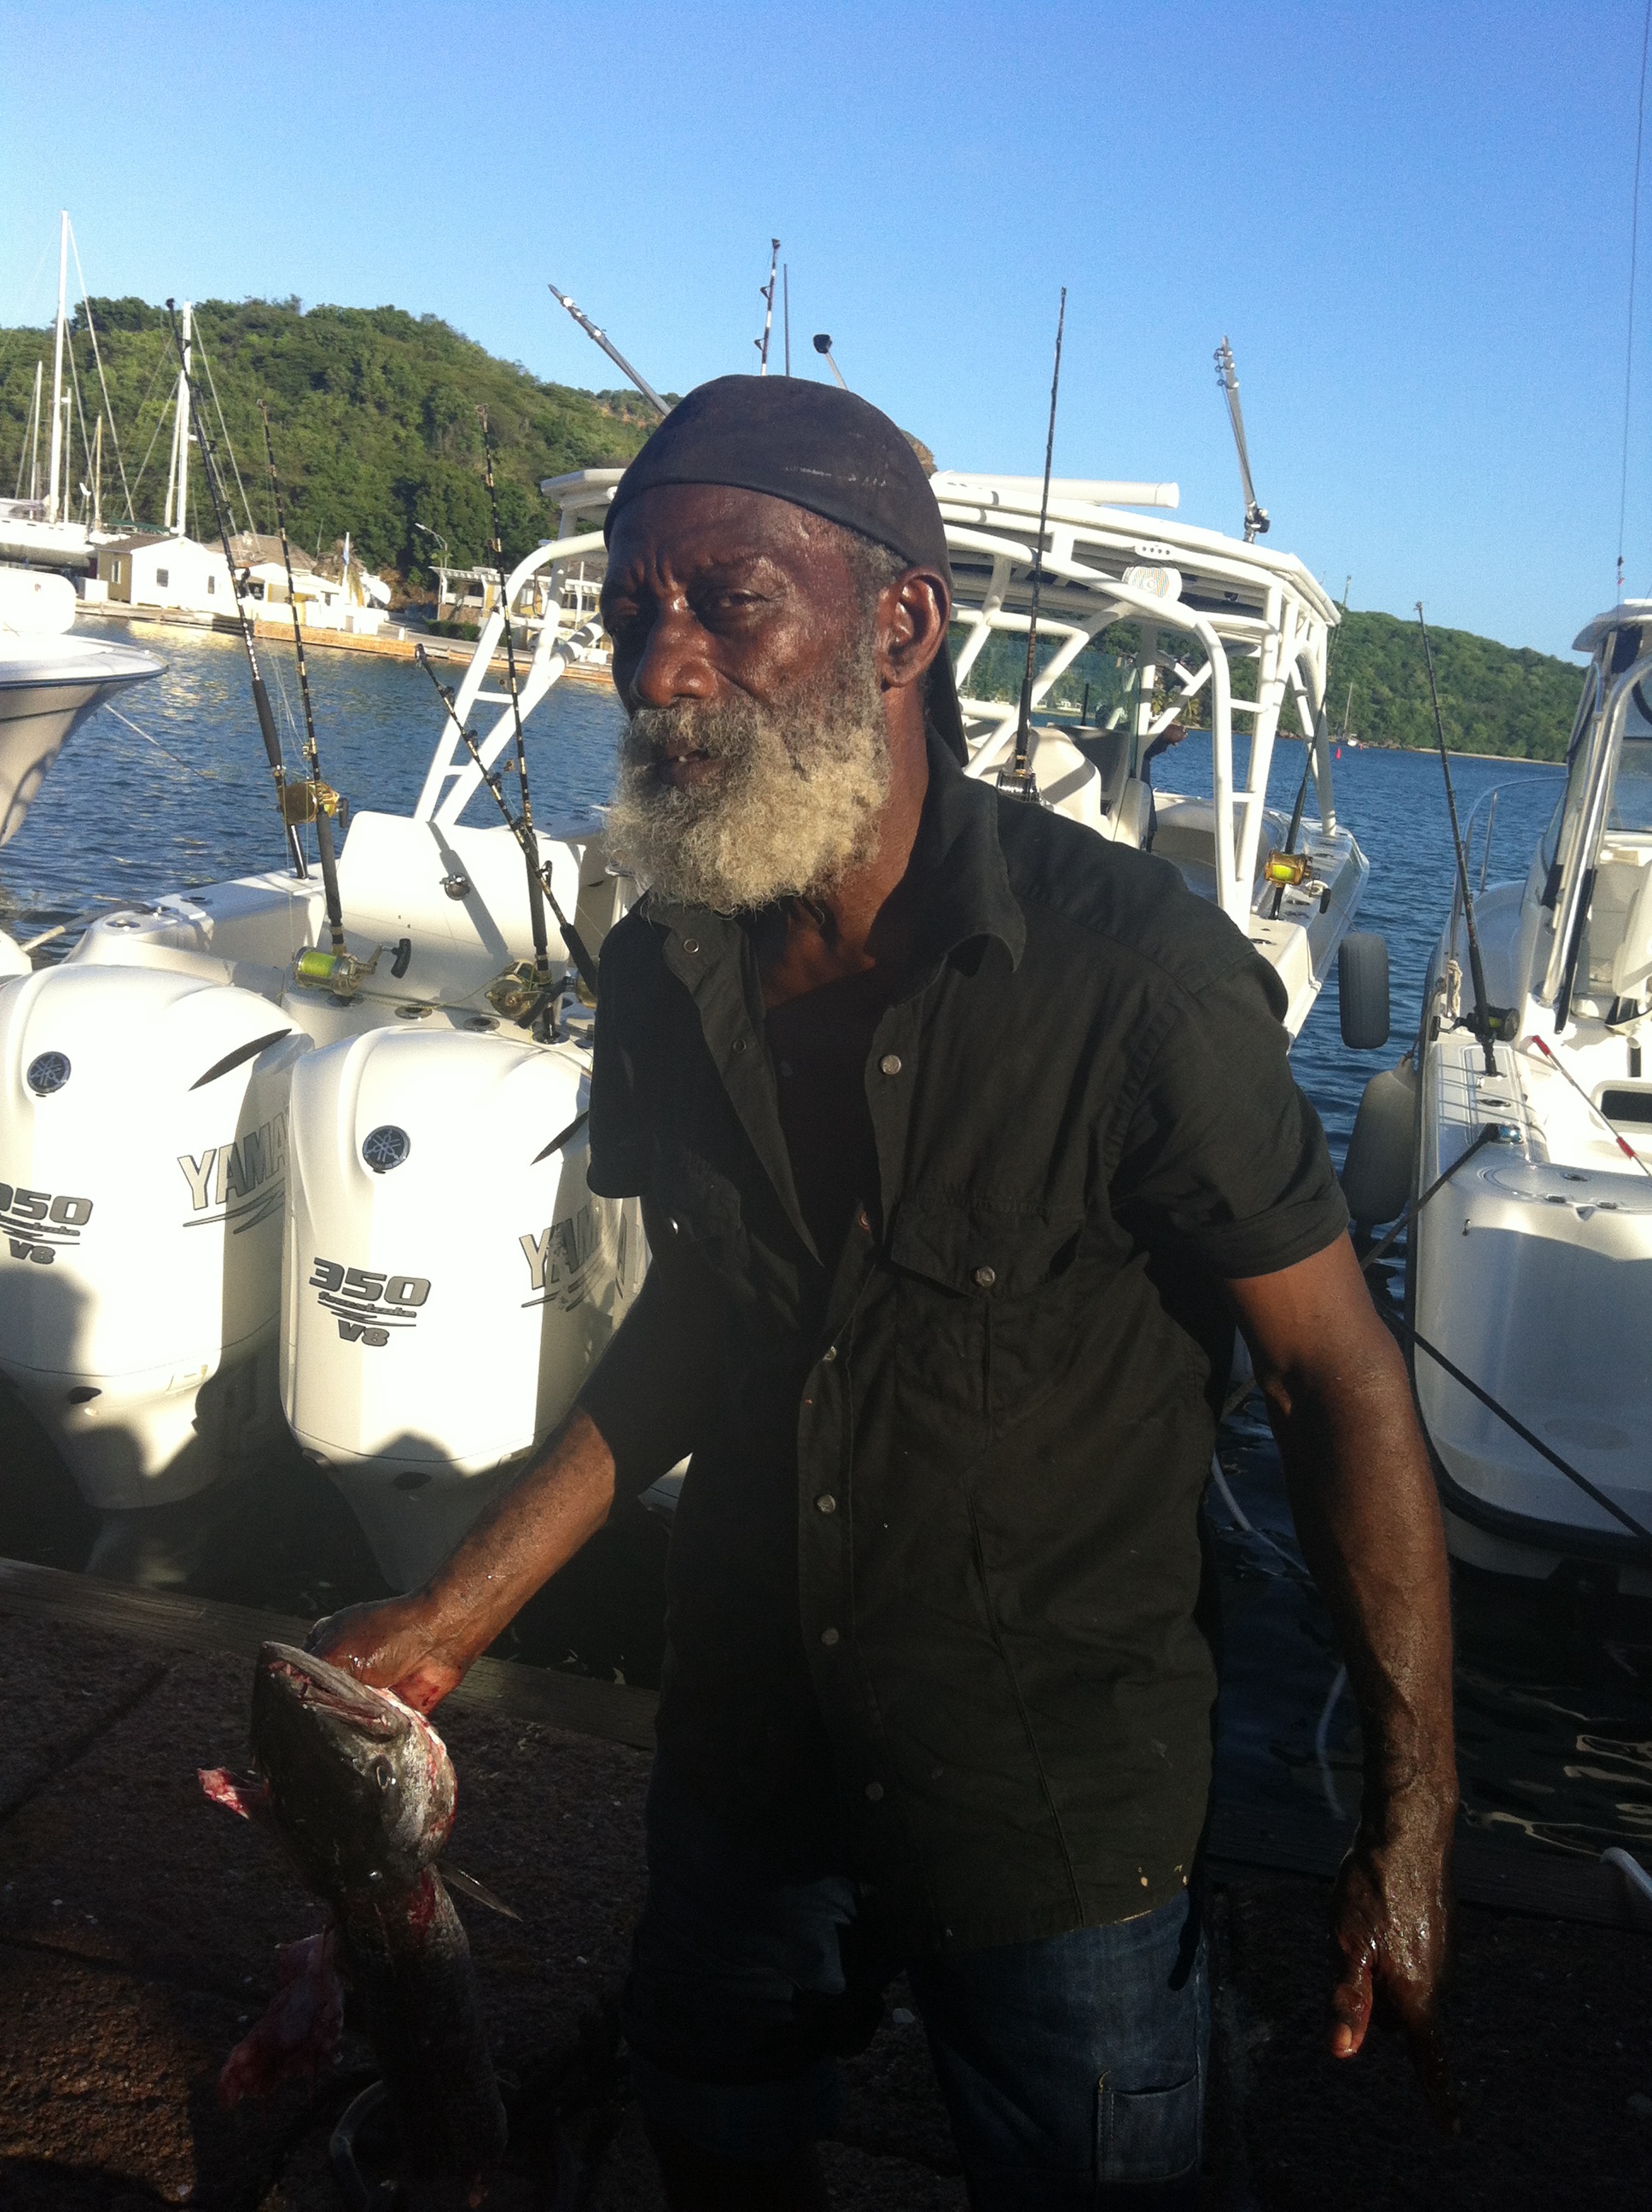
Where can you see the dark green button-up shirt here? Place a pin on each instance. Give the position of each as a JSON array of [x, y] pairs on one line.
[[934, 1575]]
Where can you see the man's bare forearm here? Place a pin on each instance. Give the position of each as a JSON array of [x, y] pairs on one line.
[[1362, 1495], [645, 1406]]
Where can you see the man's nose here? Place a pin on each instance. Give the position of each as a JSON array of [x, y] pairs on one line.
[[672, 665]]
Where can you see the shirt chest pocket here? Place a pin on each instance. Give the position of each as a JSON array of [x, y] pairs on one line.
[[987, 1312]]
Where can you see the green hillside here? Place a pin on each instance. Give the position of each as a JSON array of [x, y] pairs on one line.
[[1493, 698], [373, 413]]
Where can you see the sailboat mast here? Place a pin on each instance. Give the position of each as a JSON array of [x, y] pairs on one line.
[[34, 442], [177, 515], [54, 481]]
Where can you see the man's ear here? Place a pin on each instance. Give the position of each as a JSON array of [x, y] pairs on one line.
[[913, 614]]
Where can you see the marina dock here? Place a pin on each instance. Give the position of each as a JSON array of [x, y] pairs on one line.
[[139, 1924]]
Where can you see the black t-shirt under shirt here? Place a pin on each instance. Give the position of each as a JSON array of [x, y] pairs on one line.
[[818, 1045]]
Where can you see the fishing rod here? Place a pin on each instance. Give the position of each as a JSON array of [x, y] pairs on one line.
[[765, 293], [260, 696], [325, 798], [1227, 376], [577, 949], [1483, 1024], [1308, 763], [601, 338], [1018, 777], [530, 844]]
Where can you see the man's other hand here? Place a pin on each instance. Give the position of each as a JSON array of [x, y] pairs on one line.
[[1390, 1925], [398, 1644]]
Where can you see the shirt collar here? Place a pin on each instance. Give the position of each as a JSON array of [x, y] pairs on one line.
[[957, 857]]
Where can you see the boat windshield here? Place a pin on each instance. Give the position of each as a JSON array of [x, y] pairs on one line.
[[1632, 798]]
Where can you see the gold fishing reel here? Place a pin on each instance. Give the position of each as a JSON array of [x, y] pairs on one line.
[[1286, 869], [300, 802]]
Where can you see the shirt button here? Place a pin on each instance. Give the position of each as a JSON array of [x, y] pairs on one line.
[[862, 1220], [985, 1277], [829, 1636], [740, 1043], [874, 1792], [826, 1503], [691, 944], [890, 1063], [829, 1355]]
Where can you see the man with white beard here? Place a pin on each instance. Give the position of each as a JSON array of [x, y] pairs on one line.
[[963, 1140]]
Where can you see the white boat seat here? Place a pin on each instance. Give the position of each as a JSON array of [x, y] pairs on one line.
[[1631, 961], [1615, 956]]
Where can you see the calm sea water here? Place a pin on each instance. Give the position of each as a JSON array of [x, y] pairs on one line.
[[1553, 1692]]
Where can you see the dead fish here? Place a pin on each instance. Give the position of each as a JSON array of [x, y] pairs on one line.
[[362, 1792]]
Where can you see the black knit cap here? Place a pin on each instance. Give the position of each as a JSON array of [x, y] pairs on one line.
[[820, 448]]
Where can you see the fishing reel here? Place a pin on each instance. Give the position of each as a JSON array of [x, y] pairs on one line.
[[302, 801], [341, 975], [1288, 871], [524, 995]]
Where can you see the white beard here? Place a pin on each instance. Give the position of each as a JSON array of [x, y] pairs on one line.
[[792, 810]]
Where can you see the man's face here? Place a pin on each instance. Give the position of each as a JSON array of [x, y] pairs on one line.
[[756, 763]]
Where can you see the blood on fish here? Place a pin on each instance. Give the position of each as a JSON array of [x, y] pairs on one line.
[[300, 2031], [245, 1794]]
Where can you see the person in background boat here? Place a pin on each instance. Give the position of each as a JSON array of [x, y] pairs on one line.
[[964, 1139], [1162, 743]]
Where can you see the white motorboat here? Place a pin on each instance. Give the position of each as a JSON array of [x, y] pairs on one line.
[[244, 1179], [355, 1194], [1203, 607], [49, 681], [1530, 1268]]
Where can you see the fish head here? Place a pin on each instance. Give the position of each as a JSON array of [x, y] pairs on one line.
[[362, 1786]]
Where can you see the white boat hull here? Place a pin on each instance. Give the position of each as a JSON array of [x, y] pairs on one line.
[[1533, 1277], [48, 687]]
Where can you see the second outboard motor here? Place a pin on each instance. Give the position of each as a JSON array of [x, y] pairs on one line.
[[450, 1279]]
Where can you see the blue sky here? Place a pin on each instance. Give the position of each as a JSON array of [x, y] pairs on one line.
[[1414, 222]]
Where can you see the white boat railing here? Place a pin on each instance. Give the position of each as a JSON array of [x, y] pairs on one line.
[[452, 778]]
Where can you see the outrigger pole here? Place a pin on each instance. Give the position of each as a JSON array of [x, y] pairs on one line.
[[601, 338], [325, 798], [765, 293], [1018, 777], [260, 696], [1228, 377], [530, 845], [1484, 1024]]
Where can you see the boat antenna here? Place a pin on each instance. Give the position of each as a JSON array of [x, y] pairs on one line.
[[824, 346], [1483, 1024], [325, 797], [1228, 377], [601, 338], [260, 696], [765, 293], [577, 948], [1634, 255], [785, 304], [1018, 776]]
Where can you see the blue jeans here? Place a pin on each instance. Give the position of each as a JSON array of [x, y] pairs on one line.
[[1072, 2067]]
